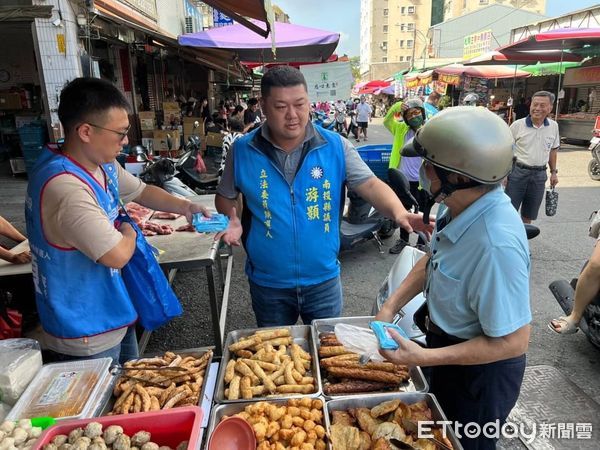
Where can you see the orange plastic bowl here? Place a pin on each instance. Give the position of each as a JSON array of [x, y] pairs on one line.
[[233, 433]]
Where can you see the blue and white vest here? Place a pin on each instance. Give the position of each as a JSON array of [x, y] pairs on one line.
[[76, 297], [291, 234]]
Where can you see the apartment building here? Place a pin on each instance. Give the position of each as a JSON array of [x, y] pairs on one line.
[[394, 32], [457, 8]]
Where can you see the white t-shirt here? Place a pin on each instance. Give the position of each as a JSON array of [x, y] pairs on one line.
[[533, 145], [363, 112]]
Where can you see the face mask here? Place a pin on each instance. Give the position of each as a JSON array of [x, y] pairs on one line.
[[415, 122], [423, 180]]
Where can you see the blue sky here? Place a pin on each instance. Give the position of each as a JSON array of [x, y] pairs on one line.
[[343, 16]]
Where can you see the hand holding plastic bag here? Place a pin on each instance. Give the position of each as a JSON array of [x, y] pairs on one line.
[[360, 340]]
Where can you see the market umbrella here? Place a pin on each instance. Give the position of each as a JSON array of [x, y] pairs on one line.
[[482, 71], [372, 86], [497, 58], [293, 43], [390, 90], [542, 69]]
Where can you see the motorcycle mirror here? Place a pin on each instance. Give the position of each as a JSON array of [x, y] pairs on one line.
[[196, 124]]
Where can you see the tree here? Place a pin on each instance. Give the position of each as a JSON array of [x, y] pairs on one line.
[[355, 67]]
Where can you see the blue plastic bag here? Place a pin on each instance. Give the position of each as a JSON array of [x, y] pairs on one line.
[[386, 341], [147, 286], [212, 224]]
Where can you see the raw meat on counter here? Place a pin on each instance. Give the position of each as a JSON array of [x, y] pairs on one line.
[[153, 228], [165, 215], [186, 227]]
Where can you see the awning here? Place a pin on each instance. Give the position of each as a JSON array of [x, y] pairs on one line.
[[491, 72], [239, 10], [561, 39], [543, 69], [221, 60], [294, 43], [254, 65], [497, 58], [372, 86]]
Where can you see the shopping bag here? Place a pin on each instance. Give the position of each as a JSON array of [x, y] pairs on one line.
[[551, 201], [200, 167], [147, 286], [11, 320]]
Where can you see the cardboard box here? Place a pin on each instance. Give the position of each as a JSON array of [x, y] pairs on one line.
[[147, 134], [160, 139], [147, 120], [188, 127], [214, 139], [10, 100], [170, 105]]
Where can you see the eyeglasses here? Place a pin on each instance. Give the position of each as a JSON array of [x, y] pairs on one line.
[[122, 134]]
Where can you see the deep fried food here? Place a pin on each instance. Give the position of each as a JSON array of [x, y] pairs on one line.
[[365, 421], [364, 374], [354, 386], [336, 350], [344, 437], [385, 408], [245, 343], [342, 418]]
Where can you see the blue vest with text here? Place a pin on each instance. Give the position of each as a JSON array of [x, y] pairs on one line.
[[76, 297], [292, 233]]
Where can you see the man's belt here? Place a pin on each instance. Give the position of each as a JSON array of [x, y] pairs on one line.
[[528, 167], [434, 329]]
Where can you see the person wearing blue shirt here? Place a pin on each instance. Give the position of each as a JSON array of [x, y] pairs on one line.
[[476, 277], [431, 104]]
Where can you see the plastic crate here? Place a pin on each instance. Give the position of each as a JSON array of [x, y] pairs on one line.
[[377, 157], [33, 134], [167, 427]]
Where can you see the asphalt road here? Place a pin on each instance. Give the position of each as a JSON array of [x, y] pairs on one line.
[[559, 252]]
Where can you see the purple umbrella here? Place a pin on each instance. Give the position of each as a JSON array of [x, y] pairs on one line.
[[293, 43]]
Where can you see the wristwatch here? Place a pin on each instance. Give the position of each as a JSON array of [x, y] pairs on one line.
[[554, 171]]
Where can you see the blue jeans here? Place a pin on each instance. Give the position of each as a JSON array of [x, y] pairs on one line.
[[277, 306], [125, 351]]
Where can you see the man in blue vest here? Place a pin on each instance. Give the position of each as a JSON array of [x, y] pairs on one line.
[[76, 249], [292, 177]]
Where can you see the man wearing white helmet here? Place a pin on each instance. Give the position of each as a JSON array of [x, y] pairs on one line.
[[476, 278]]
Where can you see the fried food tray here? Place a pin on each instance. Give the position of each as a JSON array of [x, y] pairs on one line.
[[302, 335], [416, 383], [370, 401]]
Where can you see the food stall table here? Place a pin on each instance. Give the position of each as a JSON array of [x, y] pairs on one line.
[[190, 251], [8, 269]]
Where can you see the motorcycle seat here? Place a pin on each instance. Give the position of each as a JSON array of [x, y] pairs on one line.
[[327, 122], [357, 229]]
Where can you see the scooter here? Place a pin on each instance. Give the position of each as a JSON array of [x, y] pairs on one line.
[[322, 120], [201, 183], [161, 172], [564, 293], [594, 164], [404, 263], [363, 223]]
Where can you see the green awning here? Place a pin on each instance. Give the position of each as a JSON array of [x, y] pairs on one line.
[[542, 69]]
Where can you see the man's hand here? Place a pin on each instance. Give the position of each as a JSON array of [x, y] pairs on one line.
[[20, 258], [414, 222], [233, 233], [553, 180], [194, 208], [408, 353]]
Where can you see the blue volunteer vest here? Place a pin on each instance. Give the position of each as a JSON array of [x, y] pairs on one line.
[[76, 297], [291, 234]]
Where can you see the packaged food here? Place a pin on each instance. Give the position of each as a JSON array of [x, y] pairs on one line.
[[64, 390], [386, 341], [20, 360], [212, 224]]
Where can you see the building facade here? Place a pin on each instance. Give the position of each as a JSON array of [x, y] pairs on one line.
[[494, 23], [457, 8], [394, 32]]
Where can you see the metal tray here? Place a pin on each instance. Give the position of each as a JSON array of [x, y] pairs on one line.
[[230, 409], [369, 401], [416, 383], [302, 335], [195, 352]]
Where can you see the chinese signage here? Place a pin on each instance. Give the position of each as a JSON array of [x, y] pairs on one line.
[[220, 19], [477, 44], [582, 76], [146, 7], [313, 211], [264, 195], [449, 79], [328, 82]]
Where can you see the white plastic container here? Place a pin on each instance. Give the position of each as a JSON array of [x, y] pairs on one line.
[[67, 390], [20, 361]]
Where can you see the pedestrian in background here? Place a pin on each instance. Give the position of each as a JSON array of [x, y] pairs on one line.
[[363, 112]]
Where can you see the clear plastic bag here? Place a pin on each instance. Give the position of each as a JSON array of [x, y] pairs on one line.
[[358, 339], [20, 361]]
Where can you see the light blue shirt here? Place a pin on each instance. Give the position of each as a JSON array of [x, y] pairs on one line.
[[478, 274]]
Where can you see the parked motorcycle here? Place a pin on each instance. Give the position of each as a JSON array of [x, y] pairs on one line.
[[161, 172], [324, 121], [564, 293], [363, 223], [594, 164], [404, 263]]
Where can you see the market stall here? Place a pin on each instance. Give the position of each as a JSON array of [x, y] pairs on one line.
[[296, 385]]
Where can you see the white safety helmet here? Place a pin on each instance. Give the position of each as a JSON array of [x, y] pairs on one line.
[[470, 100]]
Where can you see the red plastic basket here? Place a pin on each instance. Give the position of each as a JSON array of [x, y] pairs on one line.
[[168, 427]]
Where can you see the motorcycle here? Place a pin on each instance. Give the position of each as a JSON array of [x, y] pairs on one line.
[[408, 257], [363, 223], [594, 164], [161, 172], [564, 293], [322, 120]]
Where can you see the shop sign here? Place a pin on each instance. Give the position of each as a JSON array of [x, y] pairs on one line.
[[329, 81], [477, 44], [582, 76], [412, 83], [61, 44], [449, 79], [425, 81], [220, 19], [145, 7]]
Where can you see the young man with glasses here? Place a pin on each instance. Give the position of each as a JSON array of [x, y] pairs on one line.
[[77, 251]]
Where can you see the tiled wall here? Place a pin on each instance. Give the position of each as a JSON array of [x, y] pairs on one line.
[[57, 68]]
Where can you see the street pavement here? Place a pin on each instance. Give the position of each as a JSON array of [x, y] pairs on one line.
[[559, 252]]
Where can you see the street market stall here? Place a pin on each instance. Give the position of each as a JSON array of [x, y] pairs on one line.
[[293, 384]]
